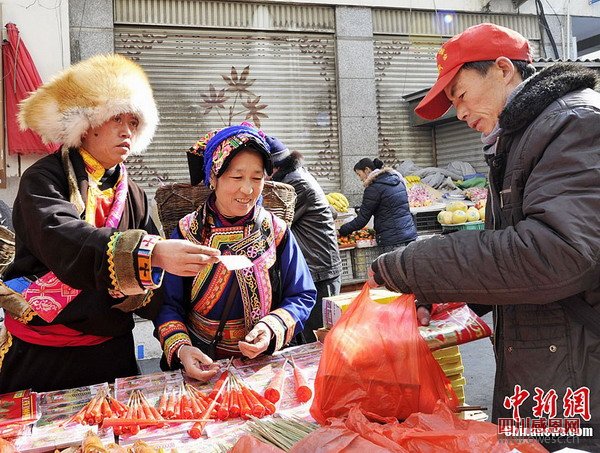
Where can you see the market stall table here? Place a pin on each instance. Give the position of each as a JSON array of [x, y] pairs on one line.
[[54, 430]]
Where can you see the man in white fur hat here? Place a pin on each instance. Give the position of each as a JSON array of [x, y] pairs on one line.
[[87, 256]]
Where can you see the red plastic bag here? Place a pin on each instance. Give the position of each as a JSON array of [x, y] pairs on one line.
[[441, 431], [374, 357]]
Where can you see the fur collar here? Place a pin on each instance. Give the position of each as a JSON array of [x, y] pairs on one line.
[[542, 89], [377, 173]]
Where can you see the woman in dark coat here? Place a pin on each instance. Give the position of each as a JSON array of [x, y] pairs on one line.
[[386, 199]]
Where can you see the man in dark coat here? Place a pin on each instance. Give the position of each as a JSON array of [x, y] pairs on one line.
[[313, 228], [537, 262], [87, 256]]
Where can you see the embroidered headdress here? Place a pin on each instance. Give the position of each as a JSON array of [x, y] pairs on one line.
[[218, 147]]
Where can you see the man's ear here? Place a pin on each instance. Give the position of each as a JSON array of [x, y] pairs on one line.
[[507, 67]]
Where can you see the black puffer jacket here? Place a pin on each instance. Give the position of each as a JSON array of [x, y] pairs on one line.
[[313, 224], [543, 259], [386, 199]]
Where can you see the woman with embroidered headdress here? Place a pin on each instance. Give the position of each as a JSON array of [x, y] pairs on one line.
[[86, 253], [257, 309]]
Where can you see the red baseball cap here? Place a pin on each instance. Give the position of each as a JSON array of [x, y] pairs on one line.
[[477, 43]]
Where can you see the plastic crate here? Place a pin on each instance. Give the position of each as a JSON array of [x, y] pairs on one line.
[[479, 225], [363, 257], [426, 222], [347, 272]]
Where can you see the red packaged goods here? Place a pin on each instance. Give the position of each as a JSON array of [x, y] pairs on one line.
[[452, 324], [17, 409]]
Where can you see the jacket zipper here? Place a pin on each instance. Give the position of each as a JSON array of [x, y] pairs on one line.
[[495, 307]]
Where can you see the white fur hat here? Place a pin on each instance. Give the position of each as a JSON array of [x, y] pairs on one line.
[[88, 94]]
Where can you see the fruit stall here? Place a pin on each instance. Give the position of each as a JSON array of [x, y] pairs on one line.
[[357, 251], [434, 212]]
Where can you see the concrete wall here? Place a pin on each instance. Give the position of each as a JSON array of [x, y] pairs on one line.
[[356, 94], [91, 23]]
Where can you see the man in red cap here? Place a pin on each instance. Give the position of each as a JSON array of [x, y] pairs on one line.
[[537, 263]]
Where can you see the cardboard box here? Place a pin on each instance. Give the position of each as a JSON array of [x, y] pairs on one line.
[[321, 333], [334, 306], [460, 394], [458, 382], [453, 371], [344, 217]]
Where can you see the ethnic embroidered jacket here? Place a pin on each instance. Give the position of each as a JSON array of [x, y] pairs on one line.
[[277, 290], [99, 275]]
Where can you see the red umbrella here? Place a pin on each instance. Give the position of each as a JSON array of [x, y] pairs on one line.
[[20, 78]]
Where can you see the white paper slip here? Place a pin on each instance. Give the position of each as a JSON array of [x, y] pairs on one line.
[[235, 262]]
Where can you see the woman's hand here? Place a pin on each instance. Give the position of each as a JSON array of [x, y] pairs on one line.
[[183, 258], [192, 360], [257, 341]]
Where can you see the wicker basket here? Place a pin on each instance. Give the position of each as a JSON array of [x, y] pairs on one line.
[[175, 201], [7, 248]]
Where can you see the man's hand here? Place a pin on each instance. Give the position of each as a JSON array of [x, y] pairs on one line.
[[257, 341], [423, 315], [183, 258], [371, 279], [192, 360]]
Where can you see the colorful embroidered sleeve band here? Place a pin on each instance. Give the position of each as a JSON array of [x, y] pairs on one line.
[[150, 278], [173, 335], [129, 257]]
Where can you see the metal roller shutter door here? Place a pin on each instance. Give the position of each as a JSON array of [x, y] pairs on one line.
[[402, 66], [455, 141], [289, 89]]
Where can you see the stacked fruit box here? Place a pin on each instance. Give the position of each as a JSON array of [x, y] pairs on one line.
[[362, 259], [334, 306]]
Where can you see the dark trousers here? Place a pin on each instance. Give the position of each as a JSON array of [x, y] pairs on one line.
[[325, 288]]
